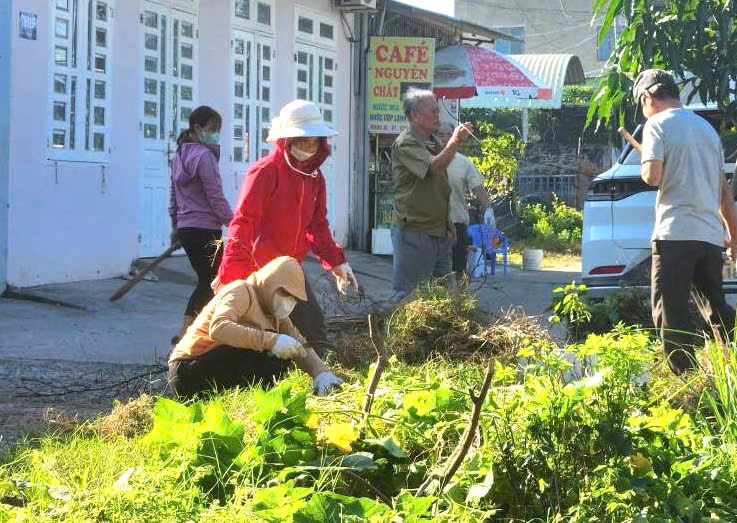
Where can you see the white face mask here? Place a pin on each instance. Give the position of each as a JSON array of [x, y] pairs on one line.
[[283, 306], [301, 155]]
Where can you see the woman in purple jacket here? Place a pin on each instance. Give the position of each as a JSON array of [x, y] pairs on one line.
[[197, 205]]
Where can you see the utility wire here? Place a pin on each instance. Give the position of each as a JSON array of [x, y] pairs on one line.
[[562, 30], [576, 12]]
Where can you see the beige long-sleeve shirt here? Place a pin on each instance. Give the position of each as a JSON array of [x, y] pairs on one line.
[[240, 314]]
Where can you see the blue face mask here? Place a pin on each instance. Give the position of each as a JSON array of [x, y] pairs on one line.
[[211, 138]]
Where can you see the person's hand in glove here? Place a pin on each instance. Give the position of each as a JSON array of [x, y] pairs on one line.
[[325, 382], [489, 219], [173, 237], [344, 277], [287, 348]]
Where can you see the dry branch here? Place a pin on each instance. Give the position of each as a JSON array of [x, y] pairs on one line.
[[379, 494], [377, 340], [468, 436], [40, 388]]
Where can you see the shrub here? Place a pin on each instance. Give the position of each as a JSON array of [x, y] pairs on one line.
[[584, 316], [557, 230], [496, 157]]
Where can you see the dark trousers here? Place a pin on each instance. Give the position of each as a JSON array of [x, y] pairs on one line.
[[204, 256], [309, 320], [680, 268], [460, 250], [225, 367], [417, 258]]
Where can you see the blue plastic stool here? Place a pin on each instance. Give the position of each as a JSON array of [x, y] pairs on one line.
[[481, 236]]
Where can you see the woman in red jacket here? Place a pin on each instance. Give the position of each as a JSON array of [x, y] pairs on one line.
[[282, 211]]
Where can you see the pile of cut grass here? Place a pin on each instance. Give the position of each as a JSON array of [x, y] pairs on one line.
[[451, 324], [436, 322]]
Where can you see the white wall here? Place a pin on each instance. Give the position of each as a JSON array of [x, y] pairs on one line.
[[64, 223], [4, 142], [215, 20], [285, 77]]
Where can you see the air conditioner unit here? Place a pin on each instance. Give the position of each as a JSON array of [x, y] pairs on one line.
[[355, 5]]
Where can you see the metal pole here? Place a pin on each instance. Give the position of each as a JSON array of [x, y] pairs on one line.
[[366, 189], [525, 124], [5, 69]]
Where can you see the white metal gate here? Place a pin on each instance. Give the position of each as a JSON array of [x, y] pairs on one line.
[[169, 62], [316, 70]]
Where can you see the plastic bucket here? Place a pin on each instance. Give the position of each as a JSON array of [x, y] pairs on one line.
[[476, 262], [532, 260]]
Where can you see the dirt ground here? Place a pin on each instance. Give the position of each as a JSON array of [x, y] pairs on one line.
[[39, 395]]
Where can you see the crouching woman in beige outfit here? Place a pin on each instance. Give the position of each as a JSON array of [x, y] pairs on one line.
[[244, 336]]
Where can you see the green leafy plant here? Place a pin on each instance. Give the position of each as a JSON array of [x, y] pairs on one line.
[[202, 437], [583, 316], [578, 433], [558, 229], [496, 158]]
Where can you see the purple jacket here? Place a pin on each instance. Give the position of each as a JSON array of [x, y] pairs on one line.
[[196, 197]]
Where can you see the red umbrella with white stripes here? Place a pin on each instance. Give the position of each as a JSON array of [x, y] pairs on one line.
[[465, 71]]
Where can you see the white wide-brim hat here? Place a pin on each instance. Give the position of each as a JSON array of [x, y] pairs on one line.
[[298, 119]]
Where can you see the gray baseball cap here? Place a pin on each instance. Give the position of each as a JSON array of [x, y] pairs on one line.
[[650, 78]]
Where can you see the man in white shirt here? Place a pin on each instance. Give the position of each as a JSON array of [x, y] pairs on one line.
[[682, 155], [463, 177]]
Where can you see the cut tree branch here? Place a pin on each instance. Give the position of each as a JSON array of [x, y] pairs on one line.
[[377, 340], [81, 387], [468, 436], [379, 494]]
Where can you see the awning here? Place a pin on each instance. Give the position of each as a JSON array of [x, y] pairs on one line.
[[464, 71], [556, 70]]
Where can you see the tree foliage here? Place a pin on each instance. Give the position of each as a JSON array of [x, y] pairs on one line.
[[694, 39], [580, 95], [496, 157]]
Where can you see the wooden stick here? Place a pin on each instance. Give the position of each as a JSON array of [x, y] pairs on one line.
[[123, 290], [630, 139], [379, 494], [466, 440], [377, 340]]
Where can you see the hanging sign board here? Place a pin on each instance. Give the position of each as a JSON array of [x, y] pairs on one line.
[[396, 65]]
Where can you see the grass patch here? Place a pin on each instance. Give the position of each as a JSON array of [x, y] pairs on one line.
[[569, 261], [595, 432]]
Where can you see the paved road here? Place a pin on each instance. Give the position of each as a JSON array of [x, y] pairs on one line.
[[137, 328]]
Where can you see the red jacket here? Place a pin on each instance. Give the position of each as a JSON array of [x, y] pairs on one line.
[[280, 212]]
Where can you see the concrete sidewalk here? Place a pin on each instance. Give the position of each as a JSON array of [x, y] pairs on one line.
[[137, 328]]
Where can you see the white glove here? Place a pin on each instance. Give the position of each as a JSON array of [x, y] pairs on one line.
[[344, 277], [489, 219], [287, 348], [325, 382]]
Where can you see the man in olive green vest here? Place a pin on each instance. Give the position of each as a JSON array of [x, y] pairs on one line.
[[422, 235]]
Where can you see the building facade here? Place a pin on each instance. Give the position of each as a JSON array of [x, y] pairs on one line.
[[546, 26], [98, 91]]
